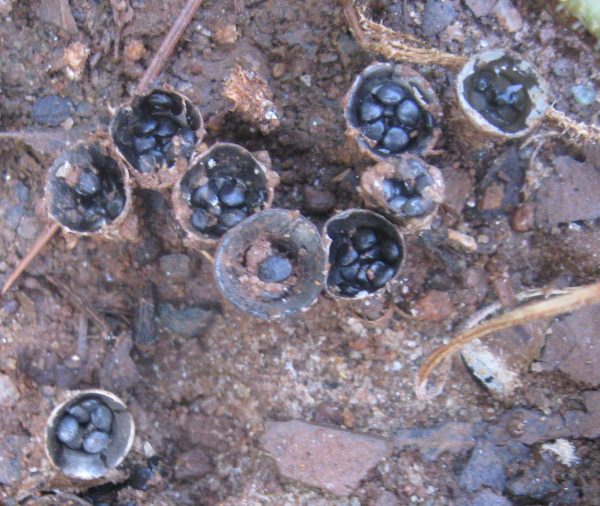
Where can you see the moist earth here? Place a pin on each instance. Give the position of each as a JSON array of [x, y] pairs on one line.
[[207, 386]]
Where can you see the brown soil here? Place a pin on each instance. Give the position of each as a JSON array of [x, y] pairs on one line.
[[215, 393]]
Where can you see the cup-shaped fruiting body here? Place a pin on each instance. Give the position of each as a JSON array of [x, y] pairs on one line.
[[157, 134], [272, 265], [226, 185], [406, 190], [89, 434], [500, 95], [391, 109], [365, 252], [88, 190]]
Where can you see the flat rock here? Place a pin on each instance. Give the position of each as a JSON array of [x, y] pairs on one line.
[[481, 7], [318, 201], [175, 266], [9, 394], [489, 498], [508, 16], [11, 453], [501, 360], [192, 464], [437, 16], [573, 346], [188, 321], [453, 437], [434, 306], [486, 468], [332, 459], [570, 195], [51, 110]]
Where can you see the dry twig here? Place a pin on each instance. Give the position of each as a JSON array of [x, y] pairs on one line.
[[568, 300], [40, 242], [168, 44], [575, 131]]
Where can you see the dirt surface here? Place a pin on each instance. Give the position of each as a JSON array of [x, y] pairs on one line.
[[206, 385]]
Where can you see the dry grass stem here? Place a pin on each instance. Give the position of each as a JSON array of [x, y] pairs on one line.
[[574, 131], [396, 46], [567, 300]]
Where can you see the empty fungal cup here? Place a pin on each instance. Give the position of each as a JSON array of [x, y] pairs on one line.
[[89, 434], [226, 185], [391, 109], [365, 252], [406, 190], [157, 135], [272, 265], [88, 191], [500, 95]]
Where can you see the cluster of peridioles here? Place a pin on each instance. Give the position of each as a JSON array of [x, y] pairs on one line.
[[274, 263]]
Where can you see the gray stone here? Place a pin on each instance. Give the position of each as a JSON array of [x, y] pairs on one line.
[[13, 216], [51, 110], [331, 459], [437, 16], [535, 483], [569, 195], [191, 321], [508, 16], [192, 464], [453, 437], [9, 394], [175, 266], [573, 346], [28, 228], [489, 498], [486, 468], [584, 94], [11, 453], [481, 7]]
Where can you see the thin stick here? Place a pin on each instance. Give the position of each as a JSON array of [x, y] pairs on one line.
[[31, 254], [168, 44], [81, 303], [577, 298]]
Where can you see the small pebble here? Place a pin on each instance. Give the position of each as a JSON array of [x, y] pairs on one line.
[[275, 269], [96, 442], [584, 94]]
